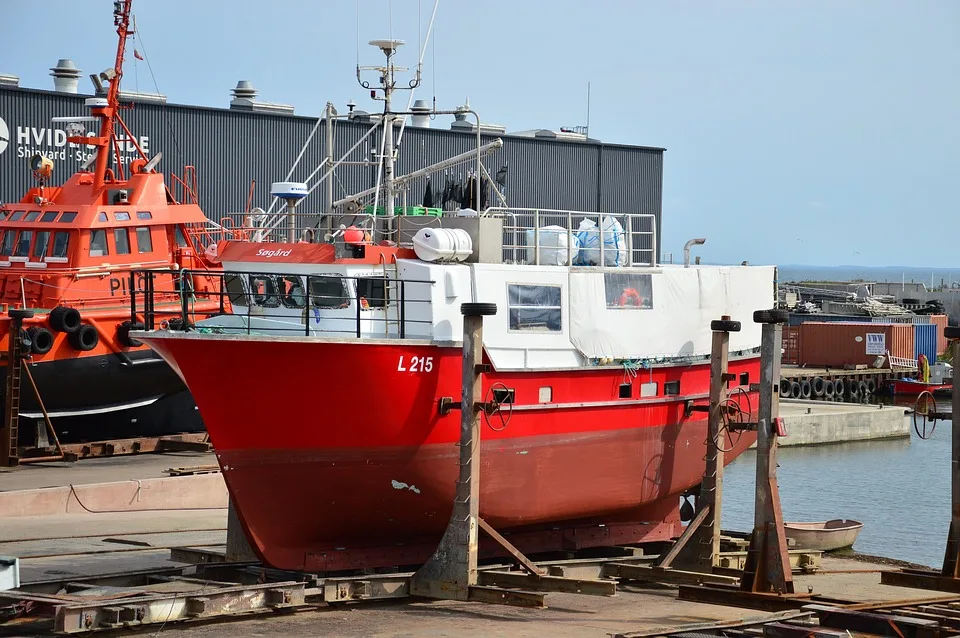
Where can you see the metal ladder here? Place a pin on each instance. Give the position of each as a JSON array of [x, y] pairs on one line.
[[10, 454], [391, 293]]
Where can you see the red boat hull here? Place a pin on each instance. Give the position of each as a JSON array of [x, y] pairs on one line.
[[914, 388], [335, 453]]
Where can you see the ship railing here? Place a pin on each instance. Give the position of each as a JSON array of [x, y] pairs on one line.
[[184, 189], [268, 303], [576, 238]]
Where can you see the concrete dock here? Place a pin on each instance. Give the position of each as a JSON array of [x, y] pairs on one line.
[[820, 422]]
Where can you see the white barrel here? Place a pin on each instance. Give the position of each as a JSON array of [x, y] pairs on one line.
[[442, 244]]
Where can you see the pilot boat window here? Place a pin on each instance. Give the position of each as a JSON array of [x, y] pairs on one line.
[[144, 243], [534, 308], [40, 246], [3, 214], [17, 216], [264, 291], [628, 290], [67, 218], [32, 216], [23, 243], [328, 292], [61, 241], [121, 239], [371, 291], [121, 216], [49, 216], [144, 214], [102, 217], [98, 243], [6, 247], [181, 238]]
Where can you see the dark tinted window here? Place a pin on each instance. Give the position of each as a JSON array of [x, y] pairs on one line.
[[66, 218], [264, 291], [6, 248], [328, 292], [61, 241], [23, 243], [32, 216], [49, 216], [144, 243], [121, 240], [42, 243], [535, 308], [98, 243], [234, 285], [144, 214], [181, 239], [371, 289], [17, 216], [291, 292]]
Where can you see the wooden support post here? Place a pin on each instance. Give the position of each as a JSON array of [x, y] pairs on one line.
[[704, 528], [16, 349], [452, 570], [768, 564], [951, 557]]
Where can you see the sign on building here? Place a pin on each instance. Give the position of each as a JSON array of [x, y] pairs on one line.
[[876, 343]]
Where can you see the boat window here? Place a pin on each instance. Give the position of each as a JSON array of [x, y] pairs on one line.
[[144, 214], [23, 243], [370, 289], [98, 243], [534, 308], [121, 216], [181, 238], [17, 216], [121, 240], [102, 217], [3, 214], [329, 292], [264, 291], [66, 218], [628, 290], [43, 242], [61, 241], [6, 248], [144, 243], [32, 216], [234, 286], [291, 292], [49, 216]]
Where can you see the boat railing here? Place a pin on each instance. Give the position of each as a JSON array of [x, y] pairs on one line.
[[576, 238], [257, 302], [901, 362], [184, 189]]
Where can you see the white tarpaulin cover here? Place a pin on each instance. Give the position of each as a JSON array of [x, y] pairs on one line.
[[665, 312]]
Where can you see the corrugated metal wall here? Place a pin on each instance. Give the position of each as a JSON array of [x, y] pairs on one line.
[[230, 148], [925, 341], [839, 344]]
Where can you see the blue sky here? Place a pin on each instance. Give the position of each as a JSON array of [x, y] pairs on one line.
[[814, 132]]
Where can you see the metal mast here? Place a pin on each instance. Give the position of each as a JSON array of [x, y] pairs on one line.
[[388, 86]]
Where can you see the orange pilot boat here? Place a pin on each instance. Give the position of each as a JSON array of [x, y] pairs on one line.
[[68, 252]]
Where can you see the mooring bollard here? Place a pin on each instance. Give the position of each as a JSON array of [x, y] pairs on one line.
[[452, 569], [951, 557]]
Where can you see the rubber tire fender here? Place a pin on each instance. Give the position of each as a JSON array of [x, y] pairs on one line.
[[817, 386], [85, 339], [806, 389], [64, 319], [41, 339]]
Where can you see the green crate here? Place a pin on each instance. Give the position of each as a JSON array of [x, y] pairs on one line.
[[410, 210]]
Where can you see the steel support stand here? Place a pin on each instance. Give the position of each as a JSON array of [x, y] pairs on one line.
[[704, 529], [451, 572], [10, 434], [768, 564], [948, 578]]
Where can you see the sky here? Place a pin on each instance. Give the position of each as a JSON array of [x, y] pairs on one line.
[[797, 132]]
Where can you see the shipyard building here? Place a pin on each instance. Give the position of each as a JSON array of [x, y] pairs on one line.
[[239, 150]]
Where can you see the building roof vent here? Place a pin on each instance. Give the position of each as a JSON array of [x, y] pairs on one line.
[[66, 76], [9, 80], [244, 99], [422, 114]]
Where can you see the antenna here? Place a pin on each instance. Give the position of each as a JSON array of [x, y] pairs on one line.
[[388, 84], [587, 130]]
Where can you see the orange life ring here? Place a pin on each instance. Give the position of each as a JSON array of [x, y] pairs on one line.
[[628, 294]]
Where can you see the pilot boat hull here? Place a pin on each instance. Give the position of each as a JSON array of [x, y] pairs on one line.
[[336, 456]]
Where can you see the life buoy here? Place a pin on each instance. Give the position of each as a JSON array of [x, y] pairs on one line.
[[628, 294]]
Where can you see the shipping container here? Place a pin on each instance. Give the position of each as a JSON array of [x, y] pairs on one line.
[[791, 345], [798, 318], [940, 321], [925, 341], [903, 319], [841, 344]]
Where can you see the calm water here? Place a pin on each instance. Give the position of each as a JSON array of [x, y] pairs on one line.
[[899, 490]]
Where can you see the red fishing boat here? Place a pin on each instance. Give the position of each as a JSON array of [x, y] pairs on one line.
[[67, 252], [325, 393]]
